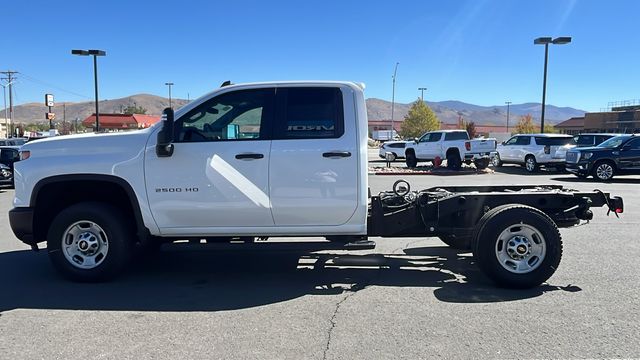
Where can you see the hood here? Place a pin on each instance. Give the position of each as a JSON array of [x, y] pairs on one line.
[[590, 149], [89, 143]]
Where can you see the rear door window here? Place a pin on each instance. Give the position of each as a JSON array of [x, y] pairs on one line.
[[555, 141], [309, 113], [523, 140], [457, 135], [585, 140]]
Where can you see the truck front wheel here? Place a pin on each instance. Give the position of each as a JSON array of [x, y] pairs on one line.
[[90, 242], [410, 159], [517, 246]]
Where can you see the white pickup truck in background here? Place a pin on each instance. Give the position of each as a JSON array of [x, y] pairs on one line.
[[451, 145]]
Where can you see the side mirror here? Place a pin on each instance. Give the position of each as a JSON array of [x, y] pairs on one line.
[[164, 146]]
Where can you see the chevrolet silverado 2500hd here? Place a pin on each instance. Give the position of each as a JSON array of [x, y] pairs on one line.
[[268, 159]]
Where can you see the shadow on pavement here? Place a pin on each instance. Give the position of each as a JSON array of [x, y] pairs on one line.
[[205, 280], [519, 170]]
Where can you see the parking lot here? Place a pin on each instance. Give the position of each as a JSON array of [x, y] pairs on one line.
[[409, 298]]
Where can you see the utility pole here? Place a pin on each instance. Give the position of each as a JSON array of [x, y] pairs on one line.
[[10, 78], [169, 84], [393, 97], [64, 118]]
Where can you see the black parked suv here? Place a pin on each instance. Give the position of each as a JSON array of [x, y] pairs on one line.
[[619, 155]]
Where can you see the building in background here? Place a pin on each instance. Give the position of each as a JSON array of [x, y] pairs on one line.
[[573, 126], [121, 122]]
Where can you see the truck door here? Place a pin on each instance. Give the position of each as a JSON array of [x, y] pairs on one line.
[[313, 173], [630, 155], [218, 173]]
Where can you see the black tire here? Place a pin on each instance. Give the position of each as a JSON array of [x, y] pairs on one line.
[[487, 245], [117, 233], [604, 170], [453, 161], [482, 164], [496, 161], [410, 159], [530, 164], [457, 242]]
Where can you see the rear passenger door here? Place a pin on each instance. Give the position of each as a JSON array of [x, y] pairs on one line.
[[313, 172]]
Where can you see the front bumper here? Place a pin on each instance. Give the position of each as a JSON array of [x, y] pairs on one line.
[[580, 168], [21, 221]]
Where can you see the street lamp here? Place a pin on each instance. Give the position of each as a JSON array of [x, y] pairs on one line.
[[508, 103], [95, 54], [169, 84], [422, 93], [393, 97], [546, 41]]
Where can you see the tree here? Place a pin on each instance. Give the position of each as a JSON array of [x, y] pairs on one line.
[[419, 120], [129, 110], [471, 129], [550, 129], [525, 125]]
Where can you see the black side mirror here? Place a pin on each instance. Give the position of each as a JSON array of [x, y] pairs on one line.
[[164, 146]]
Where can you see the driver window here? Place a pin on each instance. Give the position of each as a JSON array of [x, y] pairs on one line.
[[511, 141], [238, 115]]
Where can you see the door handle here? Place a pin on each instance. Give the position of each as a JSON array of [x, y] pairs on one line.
[[336, 154], [249, 156]]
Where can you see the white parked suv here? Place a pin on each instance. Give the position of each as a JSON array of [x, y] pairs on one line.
[[535, 150], [396, 148]]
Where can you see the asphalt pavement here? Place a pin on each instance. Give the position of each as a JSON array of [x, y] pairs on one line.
[[409, 298]]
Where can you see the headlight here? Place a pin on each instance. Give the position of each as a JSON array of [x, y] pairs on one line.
[[586, 155]]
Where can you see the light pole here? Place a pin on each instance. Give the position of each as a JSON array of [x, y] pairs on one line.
[[546, 41], [422, 89], [508, 103], [393, 97], [95, 54], [169, 84]]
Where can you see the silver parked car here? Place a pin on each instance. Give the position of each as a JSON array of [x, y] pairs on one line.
[[535, 150]]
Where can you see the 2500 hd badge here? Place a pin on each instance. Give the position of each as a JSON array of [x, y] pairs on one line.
[[176, 190]]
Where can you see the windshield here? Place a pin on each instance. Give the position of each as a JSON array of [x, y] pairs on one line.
[[613, 142]]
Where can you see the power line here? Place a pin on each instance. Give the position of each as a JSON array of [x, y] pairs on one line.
[[31, 78]]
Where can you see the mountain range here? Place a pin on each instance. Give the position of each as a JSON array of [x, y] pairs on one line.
[[377, 109]]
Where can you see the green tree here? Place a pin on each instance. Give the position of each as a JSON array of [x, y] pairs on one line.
[[134, 109], [525, 125], [550, 129], [419, 120], [471, 129]]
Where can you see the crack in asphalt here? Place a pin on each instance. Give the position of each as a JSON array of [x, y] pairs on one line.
[[335, 313]]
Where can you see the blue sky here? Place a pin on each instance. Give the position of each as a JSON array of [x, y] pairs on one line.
[[478, 51]]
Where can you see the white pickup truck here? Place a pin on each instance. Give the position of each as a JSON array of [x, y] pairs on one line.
[[452, 145], [286, 159]]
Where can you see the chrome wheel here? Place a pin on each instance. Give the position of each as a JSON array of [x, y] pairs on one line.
[[604, 171], [530, 164], [520, 248], [85, 245], [496, 160]]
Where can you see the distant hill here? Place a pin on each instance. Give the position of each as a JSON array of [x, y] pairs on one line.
[[377, 109], [35, 112], [450, 111]]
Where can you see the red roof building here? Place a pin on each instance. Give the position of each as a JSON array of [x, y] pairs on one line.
[[121, 121], [573, 126]]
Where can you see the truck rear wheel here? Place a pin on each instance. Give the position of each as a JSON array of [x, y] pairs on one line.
[[453, 160], [90, 242], [517, 246], [410, 159]]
